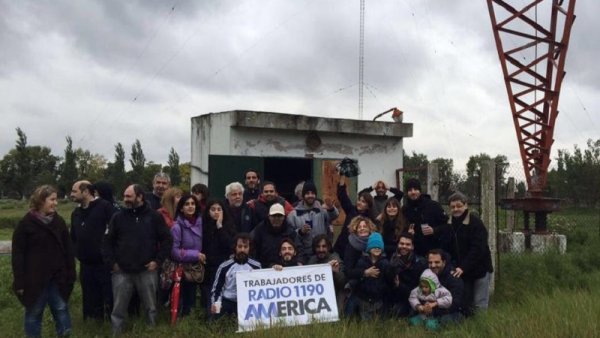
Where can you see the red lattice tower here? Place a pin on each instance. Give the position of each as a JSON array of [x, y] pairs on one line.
[[533, 69]]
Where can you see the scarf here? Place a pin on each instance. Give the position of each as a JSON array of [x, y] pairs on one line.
[[46, 219], [358, 243]]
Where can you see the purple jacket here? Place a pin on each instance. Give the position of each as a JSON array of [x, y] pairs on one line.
[[187, 240]]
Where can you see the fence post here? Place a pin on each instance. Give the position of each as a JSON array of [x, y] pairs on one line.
[[488, 208], [433, 186], [510, 214]]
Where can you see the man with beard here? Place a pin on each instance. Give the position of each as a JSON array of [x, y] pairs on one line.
[[407, 268], [268, 236], [224, 290], [252, 180], [310, 218], [88, 225], [438, 262], [160, 184], [287, 255], [323, 254], [239, 211], [381, 195], [137, 242], [424, 217], [269, 196]]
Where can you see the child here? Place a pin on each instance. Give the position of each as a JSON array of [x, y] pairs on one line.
[[429, 294], [375, 280]]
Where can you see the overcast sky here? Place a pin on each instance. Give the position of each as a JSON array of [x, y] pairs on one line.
[[112, 71]]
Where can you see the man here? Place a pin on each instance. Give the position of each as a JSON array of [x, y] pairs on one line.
[[309, 218], [137, 242], [252, 180], [239, 211], [407, 268], [224, 290], [323, 254], [424, 216], [269, 196], [465, 238], [160, 184], [381, 195], [88, 225], [288, 255], [268, 236], [438, 263]]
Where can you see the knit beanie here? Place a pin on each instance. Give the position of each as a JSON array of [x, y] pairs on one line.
[[375, 241], [413, 183], [309, 186]]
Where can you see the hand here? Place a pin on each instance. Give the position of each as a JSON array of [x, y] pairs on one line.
[[457, 272], [116, 268], [213, 309], [151, 266], [202, 258], [219, 220], [372, 272], [411, 229], [426, 309], [327, 203], [426, 229], [335, 265], [277, 267], [342, 179], [305, 229], [379, 217], [396, 281], [20, 292]]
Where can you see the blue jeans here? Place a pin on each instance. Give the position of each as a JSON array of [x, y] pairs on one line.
[[146, 285], [60, 312]]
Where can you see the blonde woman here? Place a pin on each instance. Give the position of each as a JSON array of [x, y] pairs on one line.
[[169, 202]]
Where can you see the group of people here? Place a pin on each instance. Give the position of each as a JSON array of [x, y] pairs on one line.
[[389, 259]]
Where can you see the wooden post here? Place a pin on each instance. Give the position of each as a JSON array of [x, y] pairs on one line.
[[433, 186], [488, 209], [510, 214]]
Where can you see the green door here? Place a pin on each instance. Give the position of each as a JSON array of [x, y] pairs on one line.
[[223, 170]]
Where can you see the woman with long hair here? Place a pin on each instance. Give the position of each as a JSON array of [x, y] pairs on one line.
[[43, 263], [363, 207], [391, 224], [187, 245], [168, 204], [218, 231]]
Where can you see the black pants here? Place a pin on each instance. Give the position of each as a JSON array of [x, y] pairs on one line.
[[96, 291]]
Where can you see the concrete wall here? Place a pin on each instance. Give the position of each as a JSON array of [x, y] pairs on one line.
[[377, 145]]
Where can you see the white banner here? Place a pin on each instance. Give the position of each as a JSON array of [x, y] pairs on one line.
[[294, 296]]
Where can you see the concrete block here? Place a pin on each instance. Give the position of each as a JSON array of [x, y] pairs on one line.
[[5, 247], [511, 242], [548, 242]]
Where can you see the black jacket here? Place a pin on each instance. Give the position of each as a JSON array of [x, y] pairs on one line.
[[373, 289], [409, 274], [267, 241], [424, 211], [243, 217], [88, 227], [454, 285], [466, 240], [136, 237], [42, 253], [216, 245]]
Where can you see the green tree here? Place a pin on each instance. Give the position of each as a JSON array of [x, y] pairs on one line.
[[186, 176], [90, 166], [150, 170], [415, 165], [115, 171], [138, 163], [26, 167], [68, 169], [448, 180], [174, 169]]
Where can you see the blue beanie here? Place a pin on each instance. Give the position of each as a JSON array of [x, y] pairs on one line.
[[375, 241]]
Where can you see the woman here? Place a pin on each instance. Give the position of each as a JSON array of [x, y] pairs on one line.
[[360, 229], [187, 245], [43, 263], [392, 224], [168, 204], [363, 207], [104, 190], [201, 192], [217, 240]]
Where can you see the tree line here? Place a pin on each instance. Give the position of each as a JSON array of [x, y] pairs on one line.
[[575, 178], [26, 166]]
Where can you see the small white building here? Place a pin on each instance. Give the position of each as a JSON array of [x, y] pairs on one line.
[[287, 149]]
